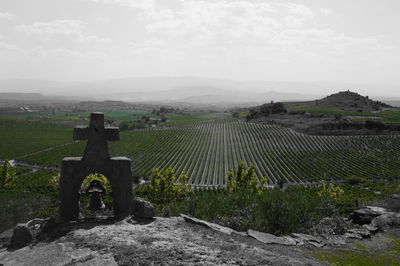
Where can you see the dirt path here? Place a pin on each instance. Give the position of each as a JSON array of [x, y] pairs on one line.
[[47, 149]]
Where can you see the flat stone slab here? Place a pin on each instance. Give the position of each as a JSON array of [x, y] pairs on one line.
[[271, 239], [213, 226]]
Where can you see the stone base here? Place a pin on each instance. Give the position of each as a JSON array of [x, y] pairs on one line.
[[75, 169]]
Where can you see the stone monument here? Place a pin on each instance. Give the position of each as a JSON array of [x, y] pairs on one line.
[[96, 159]]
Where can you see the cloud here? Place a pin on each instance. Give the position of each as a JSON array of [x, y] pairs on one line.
[[65, 54], [8, 47], [6, 16], [325, 11], [139, 4], [56, 29]]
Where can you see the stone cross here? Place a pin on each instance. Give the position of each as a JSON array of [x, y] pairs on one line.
[[97, 136], [96, 159]]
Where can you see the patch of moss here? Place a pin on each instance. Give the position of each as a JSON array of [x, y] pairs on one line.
[[361, 256]]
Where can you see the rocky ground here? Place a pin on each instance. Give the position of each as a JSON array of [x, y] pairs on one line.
[[161, 241], [189, 241]]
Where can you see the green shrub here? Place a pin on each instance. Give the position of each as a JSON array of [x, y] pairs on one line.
[[166, 186], [273, 211], [6, 174], [245, 179]]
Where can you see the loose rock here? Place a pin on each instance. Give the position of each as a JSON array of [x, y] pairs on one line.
[[371, 229], [142, 208], [21, 237]]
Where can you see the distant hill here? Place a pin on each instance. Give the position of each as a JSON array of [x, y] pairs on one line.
[[201, 90], [350, 101], [21, 96]]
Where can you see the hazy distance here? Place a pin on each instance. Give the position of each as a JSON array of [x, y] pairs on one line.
[[103, 48]]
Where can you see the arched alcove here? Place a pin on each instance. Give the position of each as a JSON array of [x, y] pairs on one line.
[[91, 196]]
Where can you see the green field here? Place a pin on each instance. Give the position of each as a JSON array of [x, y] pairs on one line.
[[208, 149], [19, 137], [388, 116]]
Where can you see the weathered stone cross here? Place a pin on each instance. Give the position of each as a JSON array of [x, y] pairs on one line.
[[96, 159], [97, 136]]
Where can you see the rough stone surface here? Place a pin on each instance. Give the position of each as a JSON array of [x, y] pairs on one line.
[[363, 232], [306, 237], [56, 254], [332, 226], [353, 235], [162, 241], [335, 241], [142, 208], [96, 159]]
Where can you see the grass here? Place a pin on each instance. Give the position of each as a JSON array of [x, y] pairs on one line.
[[361, 256]]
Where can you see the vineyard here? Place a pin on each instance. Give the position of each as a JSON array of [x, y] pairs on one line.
[[206, 150]]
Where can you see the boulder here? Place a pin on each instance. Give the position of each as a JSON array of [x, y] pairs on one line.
[[367, 214], [142, 208], [21, 237], [382, 222], [386, 220], [24, 234]]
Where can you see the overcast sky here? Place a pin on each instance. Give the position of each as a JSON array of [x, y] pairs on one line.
[[312, 40]]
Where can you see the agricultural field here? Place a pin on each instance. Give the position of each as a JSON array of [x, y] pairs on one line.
[[20, 137], [387, 116], [206, 150]]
